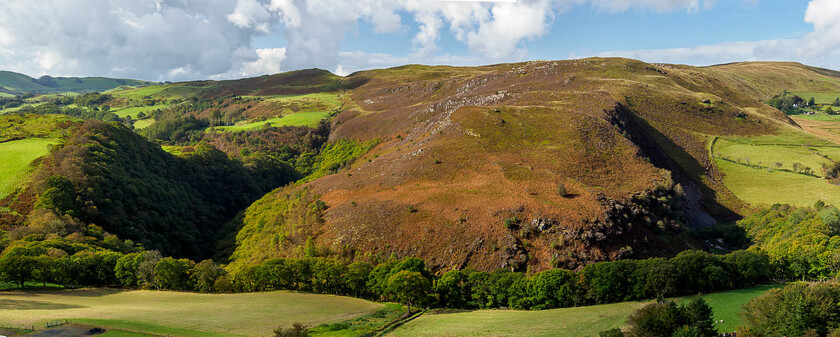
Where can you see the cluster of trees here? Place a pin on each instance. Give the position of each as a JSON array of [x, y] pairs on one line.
[[92, 99], [690, 272], [107, 175], [51, 108], [81, 259], [669, 319], [799, 309], [11, 102], [802, 241], [788, 102]]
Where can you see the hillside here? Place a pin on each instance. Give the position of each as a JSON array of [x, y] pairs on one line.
[[518, 166], [535, 164], [16, 83], [104, 174]]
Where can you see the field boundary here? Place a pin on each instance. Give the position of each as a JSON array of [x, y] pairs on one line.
[[396, 324]]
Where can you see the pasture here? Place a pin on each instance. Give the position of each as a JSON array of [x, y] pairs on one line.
[[819, 116], [770, 156], [161, 91], [751, 170], [727, 305], [294, 110], [143, 123], [133, 111], [179, 313], [820, 97], [15, 159], [295, 119], [761, 187], [579, 321]]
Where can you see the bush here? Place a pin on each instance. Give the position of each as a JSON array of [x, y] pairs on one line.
[[561, 190], [296, 330]]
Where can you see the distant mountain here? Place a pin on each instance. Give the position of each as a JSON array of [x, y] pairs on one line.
[[16, 83]]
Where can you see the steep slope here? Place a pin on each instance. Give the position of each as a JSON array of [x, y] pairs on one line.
[[104, 174], [518, 165], [11, 82]]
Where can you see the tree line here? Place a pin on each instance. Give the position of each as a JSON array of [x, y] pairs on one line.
[[406, 280]]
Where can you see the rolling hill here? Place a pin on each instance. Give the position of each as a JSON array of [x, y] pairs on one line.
[[16, 83], [472, 161], [521, 166]]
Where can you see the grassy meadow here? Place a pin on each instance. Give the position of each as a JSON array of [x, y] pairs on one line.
[[309, 110], [15, 157], [578, 321], [752, 172], [727, 305], [133, 111], [143, 123], [179, 313], [295, 119], [820, 97]]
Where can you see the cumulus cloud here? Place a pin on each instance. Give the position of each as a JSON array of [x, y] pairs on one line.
[[821, 47], [161, 39], [251, 14], [179, 39]]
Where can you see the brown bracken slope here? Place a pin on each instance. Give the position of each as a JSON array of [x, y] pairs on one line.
[[471, 161]]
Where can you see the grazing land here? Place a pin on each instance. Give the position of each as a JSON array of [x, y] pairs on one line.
[[727, 305], [15, 159], [295, 119], [782, 168], [143, 123], [133, 111], [758, 186], [181, 314], [819, 97], [580, 321]]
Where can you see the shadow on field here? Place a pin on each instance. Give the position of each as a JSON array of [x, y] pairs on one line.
[[88, 292], [9, 304]]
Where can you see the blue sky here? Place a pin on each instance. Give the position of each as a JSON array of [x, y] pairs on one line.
[[217, 39], [585, 30]]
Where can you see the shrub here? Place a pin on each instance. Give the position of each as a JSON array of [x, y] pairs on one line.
[[296, 330], [561, 190]]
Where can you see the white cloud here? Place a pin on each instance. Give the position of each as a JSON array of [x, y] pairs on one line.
[[251, 14], [659, 6], [821, 47], [180, 39]]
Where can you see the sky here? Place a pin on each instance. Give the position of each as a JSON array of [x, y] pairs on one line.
[[175, 40]]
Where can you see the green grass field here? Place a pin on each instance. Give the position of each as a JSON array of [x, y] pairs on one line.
[[755, 178], [819, 97], [820, 116], [143, 123], [15, 157], [133, 111], [177, 313], [328, 98], [760, 187], [727, 305], [313, 108], [768, 155], [140, 93], [295, 119], [580, 321]]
